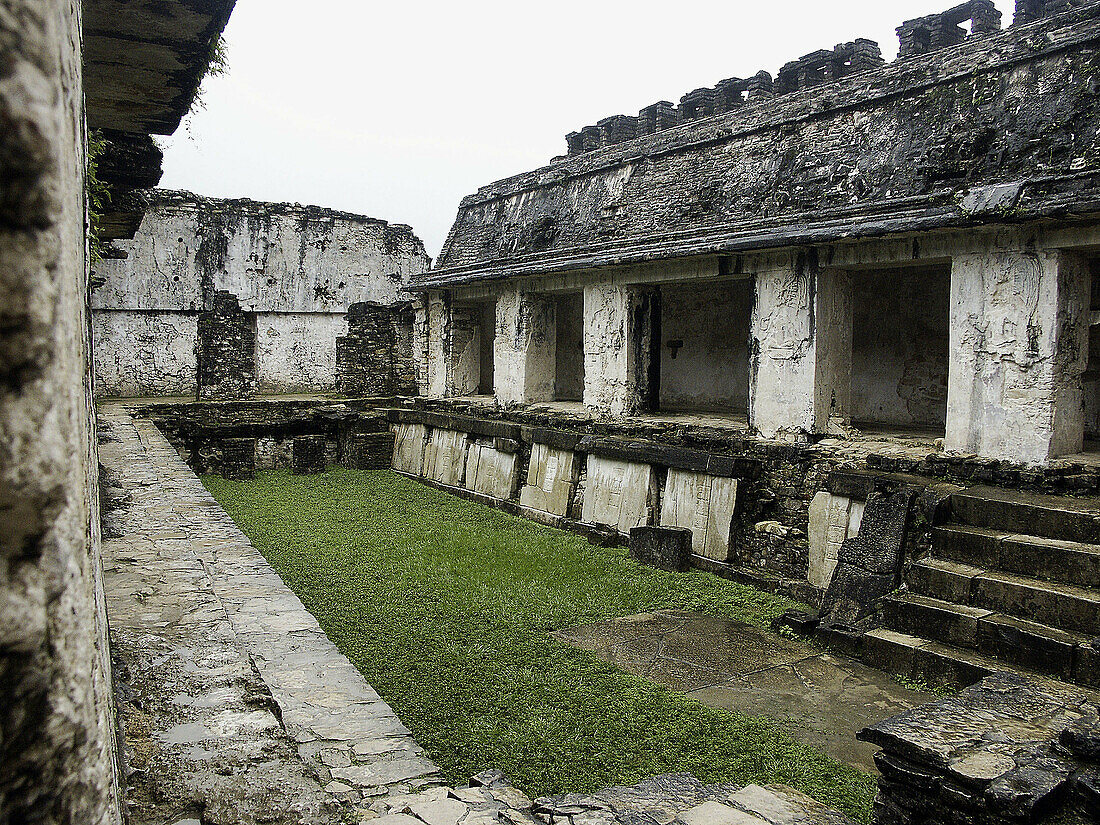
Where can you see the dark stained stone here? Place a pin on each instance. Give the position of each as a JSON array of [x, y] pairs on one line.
[[666, 548]]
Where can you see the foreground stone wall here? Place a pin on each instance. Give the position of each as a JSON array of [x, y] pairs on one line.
[[56, 723], [295, 269], [1006, 750]]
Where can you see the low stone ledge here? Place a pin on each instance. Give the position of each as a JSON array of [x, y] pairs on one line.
[[490, 428], [1006, 750], [676, 458]]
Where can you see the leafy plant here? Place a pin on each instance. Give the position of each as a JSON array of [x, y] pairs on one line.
[[98, 196]]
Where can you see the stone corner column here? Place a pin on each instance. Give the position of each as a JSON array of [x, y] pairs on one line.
[[618, 324], [524, 348], [802, 349], [1019, 346]]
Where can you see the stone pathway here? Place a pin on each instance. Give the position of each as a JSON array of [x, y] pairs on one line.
[[230, 693], [671, 799], [820, 699]]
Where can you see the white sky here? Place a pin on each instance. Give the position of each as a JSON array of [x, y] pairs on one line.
[[398, 109]]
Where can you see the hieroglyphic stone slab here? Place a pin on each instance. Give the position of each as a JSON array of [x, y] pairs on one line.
[[408, 448], [490, 471], [445, 457], [704, 504], [551, 477], [832, 520], [620, 494]]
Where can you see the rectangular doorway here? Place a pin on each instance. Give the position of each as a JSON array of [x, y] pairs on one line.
[[569, 347]]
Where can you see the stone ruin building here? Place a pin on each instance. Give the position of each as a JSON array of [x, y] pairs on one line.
[[830, 333], [283, 275]]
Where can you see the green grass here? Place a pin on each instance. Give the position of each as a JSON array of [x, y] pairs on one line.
[[445, 607]]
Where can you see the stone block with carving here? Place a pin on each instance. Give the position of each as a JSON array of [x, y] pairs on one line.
[[551, 478], [833, 519], [620, 494], [490, 471], [703, 504], [445, 457], [409, 446]]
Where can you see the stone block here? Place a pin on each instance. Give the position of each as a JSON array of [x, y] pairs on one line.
[[368, 451], [705, 505], [491, 472], [445, 457], [620, 494], [1086, 668], [308, 454], [666, 548], [833, 519], [238, 460], [551, 478], [410, 441]]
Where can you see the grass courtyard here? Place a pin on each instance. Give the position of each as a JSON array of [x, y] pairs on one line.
[[445, 606]]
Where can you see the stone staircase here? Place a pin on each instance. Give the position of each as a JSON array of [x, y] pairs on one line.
[[1012, 583]]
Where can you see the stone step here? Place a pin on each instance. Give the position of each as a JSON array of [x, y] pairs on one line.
[[966, 544], [1053, 560], [1026, 644], [933, 663], [947, 580], [1004, 644], [934, 619], [1033, 646], [1062, 606], [1054, 517], [1048, 559]]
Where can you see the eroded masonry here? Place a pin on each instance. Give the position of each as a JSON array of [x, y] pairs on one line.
[[833, 332], [234, 298]]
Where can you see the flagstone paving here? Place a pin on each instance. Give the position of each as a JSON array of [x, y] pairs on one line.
[[228, 686], [820, 698]]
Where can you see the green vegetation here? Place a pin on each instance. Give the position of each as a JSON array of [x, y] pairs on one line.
[[445, 606], [97, 194], [217, 64]]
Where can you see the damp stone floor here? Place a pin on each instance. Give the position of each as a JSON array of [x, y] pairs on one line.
[[819, 698]]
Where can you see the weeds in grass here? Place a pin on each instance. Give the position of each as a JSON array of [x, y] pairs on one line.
[[445, 606]]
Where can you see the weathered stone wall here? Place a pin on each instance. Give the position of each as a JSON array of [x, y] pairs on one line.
[[375, 357], [296, 268], [226, 350], [56, 722]]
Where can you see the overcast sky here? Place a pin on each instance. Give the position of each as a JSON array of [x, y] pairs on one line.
[[398, 109]]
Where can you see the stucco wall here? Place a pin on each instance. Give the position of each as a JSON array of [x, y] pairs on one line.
[[298, 268], [56, 728], [138, 352], [710, 369], [295, 352], [899, 346]]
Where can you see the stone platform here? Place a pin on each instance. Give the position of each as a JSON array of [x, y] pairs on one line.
[[234, 704]]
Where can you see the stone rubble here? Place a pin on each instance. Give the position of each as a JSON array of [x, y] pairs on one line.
[[669, 799], [1006, 750]]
